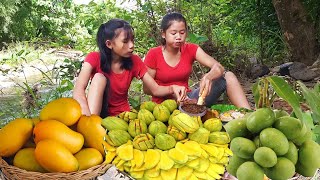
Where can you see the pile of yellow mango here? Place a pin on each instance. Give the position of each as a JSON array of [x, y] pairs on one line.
[[61, 140]]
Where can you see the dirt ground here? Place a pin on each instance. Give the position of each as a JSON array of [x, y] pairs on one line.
[[278, 102]]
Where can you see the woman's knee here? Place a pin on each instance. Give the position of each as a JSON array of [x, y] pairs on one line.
[[230, 77], [98, 82]]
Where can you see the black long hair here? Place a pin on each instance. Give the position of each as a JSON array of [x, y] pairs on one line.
[[167, 21], [107, 31]]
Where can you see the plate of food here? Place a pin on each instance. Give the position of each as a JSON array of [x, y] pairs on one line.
[[228, 112]]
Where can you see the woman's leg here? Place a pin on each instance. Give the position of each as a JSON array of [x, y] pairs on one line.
[[235, 91], [231, 85], [95, 94], [217, 88]]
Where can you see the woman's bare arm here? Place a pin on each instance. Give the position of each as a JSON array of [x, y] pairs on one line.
[[79, 90]]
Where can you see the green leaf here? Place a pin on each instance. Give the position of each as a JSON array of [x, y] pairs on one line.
[[255, 90], [307, 118], [134, 102], [284, 90], [20, 52], [317, 88], [197, 39], [316, 132], [221, 108], [312, 98]]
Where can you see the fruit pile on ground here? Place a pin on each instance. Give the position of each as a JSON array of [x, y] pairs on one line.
[[271, 142], [61, 140], [160, 142], [156, 142]]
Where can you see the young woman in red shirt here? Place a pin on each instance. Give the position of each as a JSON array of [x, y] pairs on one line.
[[171, 64], [111, 70]]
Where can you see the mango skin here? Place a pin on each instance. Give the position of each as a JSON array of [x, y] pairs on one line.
[[309, 154], [65, 110], [274, 139], [55, 130], [260, 119], [88, 157], [289, 126], [94, 134], [54, 157], [25, 159], [14, 135]]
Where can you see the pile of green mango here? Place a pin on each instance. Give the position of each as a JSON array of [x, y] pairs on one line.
[[272, 143]]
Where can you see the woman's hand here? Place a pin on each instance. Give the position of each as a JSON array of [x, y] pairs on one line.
[[179, 92], [205, 85]]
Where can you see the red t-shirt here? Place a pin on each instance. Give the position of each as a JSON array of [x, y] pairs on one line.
[[119, 83], [167, 75]]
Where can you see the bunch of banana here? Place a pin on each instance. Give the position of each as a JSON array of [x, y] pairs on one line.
[[188, 160]]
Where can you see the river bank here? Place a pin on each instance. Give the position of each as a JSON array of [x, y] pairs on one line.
[[14, 74], [37, 69]]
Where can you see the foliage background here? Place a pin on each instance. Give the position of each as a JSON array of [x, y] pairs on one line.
[[247, 27], [231, 31]]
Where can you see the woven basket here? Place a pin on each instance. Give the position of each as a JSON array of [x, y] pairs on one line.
[[15, 173]]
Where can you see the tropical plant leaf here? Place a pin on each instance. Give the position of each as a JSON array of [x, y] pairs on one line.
[[312, 99], [221, 108], [197, 39], [308, 119], [284, 90], [316, 132], [255, 91], [317, 88]]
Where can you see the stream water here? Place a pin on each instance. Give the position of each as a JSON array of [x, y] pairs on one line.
[[12, 99], [16, 106], [31, 73]]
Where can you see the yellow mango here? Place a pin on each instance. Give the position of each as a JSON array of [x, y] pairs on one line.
[[169, 174], [14, 135], [165, 163], [54, 157], [193, 177], [109, 157], [194, 164], [177, 165], [152, 173], [203, 165], [93, 133], [88, 157], [137, 174], [35, 121], [202, 175], [184, 173], [192, 147], [138, 158], [178, 156], [25, 159], [55, 130], [214, 170], [65, 110], [151, 158], [125, 152]]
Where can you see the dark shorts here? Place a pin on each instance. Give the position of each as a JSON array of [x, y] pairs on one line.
[[218, 87]]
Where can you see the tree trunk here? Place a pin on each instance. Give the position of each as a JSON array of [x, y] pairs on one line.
[[299, 33]]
